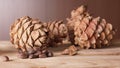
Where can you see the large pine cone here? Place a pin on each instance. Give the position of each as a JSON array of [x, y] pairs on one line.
[[57, 31], [89, 32], [27, 33]]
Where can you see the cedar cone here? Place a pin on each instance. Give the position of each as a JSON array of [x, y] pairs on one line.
[[89, 32], [27, 34], [57, 32]]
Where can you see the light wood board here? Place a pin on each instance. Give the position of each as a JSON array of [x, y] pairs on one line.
[[93, 58]]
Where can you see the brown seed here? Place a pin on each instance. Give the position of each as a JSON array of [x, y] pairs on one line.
[[23, 55], [45, 51], [30, 56], [32, 51], [42, 56], [37, 54], [4, 58], [50, 54]]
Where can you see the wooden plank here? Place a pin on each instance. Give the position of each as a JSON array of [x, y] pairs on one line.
[[92, 58]]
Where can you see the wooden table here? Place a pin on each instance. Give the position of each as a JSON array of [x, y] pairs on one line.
[[92, 58]]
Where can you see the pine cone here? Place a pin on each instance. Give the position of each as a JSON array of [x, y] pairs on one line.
[[57, 31], [89, 32], [27, 34]]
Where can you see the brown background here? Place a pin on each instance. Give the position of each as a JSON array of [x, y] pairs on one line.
[[47, 10]]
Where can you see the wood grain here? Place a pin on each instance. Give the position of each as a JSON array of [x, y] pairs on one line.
[[93, 58]]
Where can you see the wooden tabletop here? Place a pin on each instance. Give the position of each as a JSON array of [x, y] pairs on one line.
[[92, 58]]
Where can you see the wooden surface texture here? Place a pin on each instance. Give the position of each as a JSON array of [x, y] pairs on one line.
[[108, 57]]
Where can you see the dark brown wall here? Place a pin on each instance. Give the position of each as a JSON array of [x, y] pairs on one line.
[[55, 10]]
